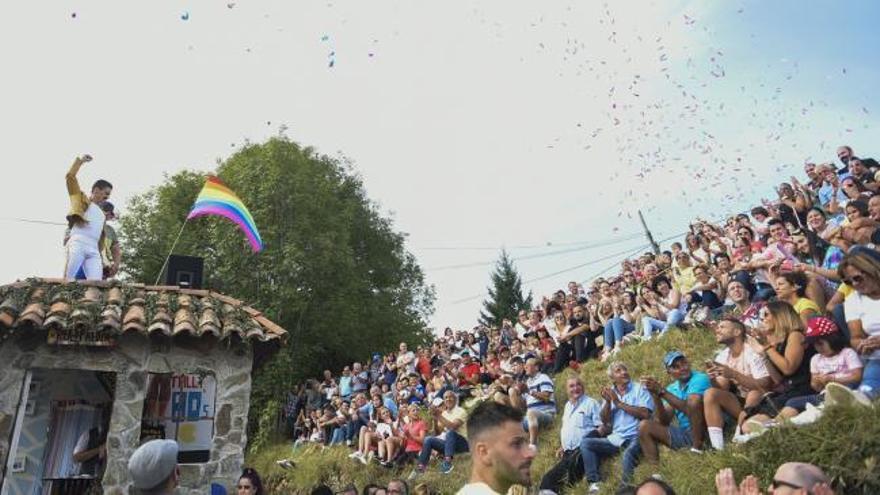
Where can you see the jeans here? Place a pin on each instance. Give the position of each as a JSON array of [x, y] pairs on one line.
[[339, 435], [706, 298], [615, 329], [571, 349], [594, 449], [354, 428], [568, 471], [673, 318], [839, 317], [452, 444], [870, 385]]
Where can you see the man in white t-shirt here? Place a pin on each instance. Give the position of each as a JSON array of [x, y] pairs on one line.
[[500, 452], [86, 222], [739, 377]]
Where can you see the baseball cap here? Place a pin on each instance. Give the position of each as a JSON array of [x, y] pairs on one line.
[[670, 357], [454, 357], [107, 207], [152, 463], [465, 353], [820, 326]]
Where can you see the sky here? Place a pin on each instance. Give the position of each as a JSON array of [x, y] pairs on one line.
[[539, 127]]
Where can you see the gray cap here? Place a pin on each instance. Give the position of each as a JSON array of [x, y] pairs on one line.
[[152, 463]]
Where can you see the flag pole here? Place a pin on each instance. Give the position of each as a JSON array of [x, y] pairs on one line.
[[165, 263]]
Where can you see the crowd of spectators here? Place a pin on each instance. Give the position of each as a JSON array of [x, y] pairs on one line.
[[790, 290]]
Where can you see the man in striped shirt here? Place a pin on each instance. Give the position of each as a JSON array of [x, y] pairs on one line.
[[540, 403]]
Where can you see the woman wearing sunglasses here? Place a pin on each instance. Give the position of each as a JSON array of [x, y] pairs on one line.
[[781, 340], [861, 270]]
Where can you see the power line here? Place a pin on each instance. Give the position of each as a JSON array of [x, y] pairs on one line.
[[498, 248], [560, 272], [608, 242], [27, 220]]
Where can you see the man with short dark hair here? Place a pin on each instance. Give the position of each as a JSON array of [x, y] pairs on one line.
[[397, 487], [86, 222], [685, 398], [500, 450], [739, 378]]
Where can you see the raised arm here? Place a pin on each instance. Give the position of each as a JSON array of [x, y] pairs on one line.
[[70, 177]]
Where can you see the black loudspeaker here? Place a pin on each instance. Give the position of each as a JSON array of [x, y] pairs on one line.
[[185, 271]]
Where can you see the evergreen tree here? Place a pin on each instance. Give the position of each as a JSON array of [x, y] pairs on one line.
[[505, 295]]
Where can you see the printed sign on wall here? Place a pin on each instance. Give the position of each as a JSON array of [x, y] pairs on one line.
[[181, 407]]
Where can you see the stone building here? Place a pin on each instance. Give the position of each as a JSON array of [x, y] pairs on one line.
[[88, 365]]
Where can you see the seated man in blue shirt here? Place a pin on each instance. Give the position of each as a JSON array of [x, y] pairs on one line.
[[626, 404], [685, 397], [580, 419]]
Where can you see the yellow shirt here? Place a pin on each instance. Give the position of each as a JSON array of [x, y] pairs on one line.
[[804, 304], [79, 202]]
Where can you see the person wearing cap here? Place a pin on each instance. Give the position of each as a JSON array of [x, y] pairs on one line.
[[448, 425], [85, 220], [835, 368], [153, 467], [682, 399], [111, 253], [739, 378]]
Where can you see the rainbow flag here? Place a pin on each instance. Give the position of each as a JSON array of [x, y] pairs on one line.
[[217, 199]]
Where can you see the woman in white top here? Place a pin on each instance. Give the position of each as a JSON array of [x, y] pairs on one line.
[[861, 270]]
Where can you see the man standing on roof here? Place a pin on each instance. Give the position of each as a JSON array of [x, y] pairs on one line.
[[86, 221]]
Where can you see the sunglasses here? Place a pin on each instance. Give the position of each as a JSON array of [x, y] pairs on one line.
[[855, 279], [779, 484]]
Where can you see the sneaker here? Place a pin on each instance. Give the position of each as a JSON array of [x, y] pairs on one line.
[[656, 476], [695, 450], [446, 467], [810, 415], [355, 454], [365, 459], [758, 428], [837, 394], [595, 487]]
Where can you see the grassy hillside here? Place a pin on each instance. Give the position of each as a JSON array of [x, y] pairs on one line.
[[846, 442]]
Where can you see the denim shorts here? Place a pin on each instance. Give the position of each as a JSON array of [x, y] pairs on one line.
[[545, 420], [679, 438]]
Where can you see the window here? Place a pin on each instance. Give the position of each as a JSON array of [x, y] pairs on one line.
[[181, 407]]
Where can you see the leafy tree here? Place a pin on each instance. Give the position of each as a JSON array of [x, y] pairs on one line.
[[505, 296], [334, 272]]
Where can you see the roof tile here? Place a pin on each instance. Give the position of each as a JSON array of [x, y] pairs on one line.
[[130, 307]]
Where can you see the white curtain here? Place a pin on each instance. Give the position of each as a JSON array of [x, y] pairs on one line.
[[69, 420]]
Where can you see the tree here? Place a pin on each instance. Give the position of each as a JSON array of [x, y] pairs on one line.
[[505, 296], [334, 272]]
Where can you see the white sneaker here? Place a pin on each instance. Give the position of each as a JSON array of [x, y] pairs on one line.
[[595, 487], [837, 394], [355, 454], [810, 415]]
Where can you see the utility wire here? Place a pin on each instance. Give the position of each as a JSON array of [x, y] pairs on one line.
[[27, 220], [608, 242], [522, 246], [560, 272]]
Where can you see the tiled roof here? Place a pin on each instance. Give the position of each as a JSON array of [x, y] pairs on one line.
[[119, 308]]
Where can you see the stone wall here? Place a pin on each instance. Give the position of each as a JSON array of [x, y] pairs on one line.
[[134, 357]]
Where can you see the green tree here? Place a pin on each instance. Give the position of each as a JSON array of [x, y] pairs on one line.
[[505, 295], [333, 272]]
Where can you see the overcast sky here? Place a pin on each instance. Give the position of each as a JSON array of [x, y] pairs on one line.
[[539, 126]]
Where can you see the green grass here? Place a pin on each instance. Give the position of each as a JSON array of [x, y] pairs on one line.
[[845, 442]]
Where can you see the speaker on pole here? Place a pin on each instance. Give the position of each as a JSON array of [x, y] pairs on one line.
[[185, 271]]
